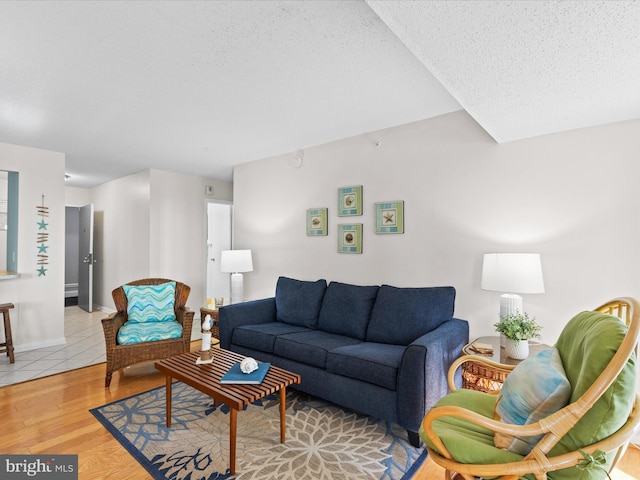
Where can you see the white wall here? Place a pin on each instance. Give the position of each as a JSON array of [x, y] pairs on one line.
[[121, 234], [38, 317], [77, 197], [152, 224], [571, 197]]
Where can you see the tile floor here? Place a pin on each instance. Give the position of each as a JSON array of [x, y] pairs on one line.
[[85, 346]]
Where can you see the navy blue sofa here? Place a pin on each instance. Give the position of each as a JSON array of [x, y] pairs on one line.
[[379, 350]]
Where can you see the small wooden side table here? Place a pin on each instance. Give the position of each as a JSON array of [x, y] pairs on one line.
[[215, 329], [490, 377], [7, 346]]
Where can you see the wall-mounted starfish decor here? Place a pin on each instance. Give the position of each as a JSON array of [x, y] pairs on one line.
[[43, 238]]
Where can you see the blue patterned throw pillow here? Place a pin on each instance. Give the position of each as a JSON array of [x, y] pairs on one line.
[[151, 303], [535, 389], [131, 333]]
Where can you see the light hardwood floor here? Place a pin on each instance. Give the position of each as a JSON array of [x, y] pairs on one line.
[[51, 415]]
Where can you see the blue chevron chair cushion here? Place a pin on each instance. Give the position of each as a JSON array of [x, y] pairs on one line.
[[150, 303], [148, 332]]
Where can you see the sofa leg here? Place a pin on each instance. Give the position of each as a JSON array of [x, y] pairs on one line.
[[107, 380], [414, 439]]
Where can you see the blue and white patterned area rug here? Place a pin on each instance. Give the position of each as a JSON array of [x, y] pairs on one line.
[[323, 442]]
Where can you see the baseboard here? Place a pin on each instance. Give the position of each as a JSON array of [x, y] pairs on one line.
[[104, 309], [26, 347]]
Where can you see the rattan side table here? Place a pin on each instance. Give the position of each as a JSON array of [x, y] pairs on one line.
[[490, 378]]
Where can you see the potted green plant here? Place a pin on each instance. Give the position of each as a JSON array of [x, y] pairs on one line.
[[518, 329]]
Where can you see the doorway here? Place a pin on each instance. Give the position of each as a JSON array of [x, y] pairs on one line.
[[78, 265], [219, 238], [71, 249]]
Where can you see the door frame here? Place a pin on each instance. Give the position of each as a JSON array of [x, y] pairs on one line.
[[226, 293]]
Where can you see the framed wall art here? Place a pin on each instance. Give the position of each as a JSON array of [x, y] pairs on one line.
[[350, 201], [390, 217], [350, 238], [316, 222]]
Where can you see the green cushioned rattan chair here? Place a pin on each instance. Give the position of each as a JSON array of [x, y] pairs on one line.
[[122, 355], [580, 441]]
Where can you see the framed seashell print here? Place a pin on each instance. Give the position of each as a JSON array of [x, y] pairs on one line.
[[350, 238], [350, 201], [316, 222]]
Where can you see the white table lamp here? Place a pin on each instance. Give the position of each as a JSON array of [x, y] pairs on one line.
[[512, 273], [236, 262]]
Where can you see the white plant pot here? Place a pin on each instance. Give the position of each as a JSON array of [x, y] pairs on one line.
[[518, 349]]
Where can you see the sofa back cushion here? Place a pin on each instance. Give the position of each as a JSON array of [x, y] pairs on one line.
[[401, 315], [298, 302], [346, 309], [586, 345]]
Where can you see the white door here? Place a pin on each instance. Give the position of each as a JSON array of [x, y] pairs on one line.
[[219, 217], [85, 260]]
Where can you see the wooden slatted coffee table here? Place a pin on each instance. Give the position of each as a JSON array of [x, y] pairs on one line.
[[206, 379]]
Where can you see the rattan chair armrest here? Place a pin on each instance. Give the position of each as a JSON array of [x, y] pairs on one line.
[[537, 461], [111, 325], [476, 359], [182, 313], [185, 318]]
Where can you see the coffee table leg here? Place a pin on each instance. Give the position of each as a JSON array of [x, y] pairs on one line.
[[233, 417], [283, 409], [168, 401]]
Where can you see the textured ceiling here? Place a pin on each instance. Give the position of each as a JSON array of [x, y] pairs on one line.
[[198, 87], [528, 68]]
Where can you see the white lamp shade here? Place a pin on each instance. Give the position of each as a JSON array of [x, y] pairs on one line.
[[236, 261], [512, 272]]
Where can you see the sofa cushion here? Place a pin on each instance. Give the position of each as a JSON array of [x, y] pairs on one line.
[[135, 332], [401, 315], [298, 302], [310, 347], [346, 309], [468, 442], [150, 303], [262, 336], [586, 345], [370, 362]]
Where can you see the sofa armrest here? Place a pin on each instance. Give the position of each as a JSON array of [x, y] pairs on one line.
[[246, 313], [422, 379]]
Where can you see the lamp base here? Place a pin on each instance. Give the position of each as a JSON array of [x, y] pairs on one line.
[[237, 288], [510, 303]]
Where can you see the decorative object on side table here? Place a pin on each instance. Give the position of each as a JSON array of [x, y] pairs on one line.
[[518, 329], [205, 350]]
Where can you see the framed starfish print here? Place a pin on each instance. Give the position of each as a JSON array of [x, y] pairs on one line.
[[390, 217]]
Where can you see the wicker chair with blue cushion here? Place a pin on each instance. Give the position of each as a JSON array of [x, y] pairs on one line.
[[567, 413], [152, 321]]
